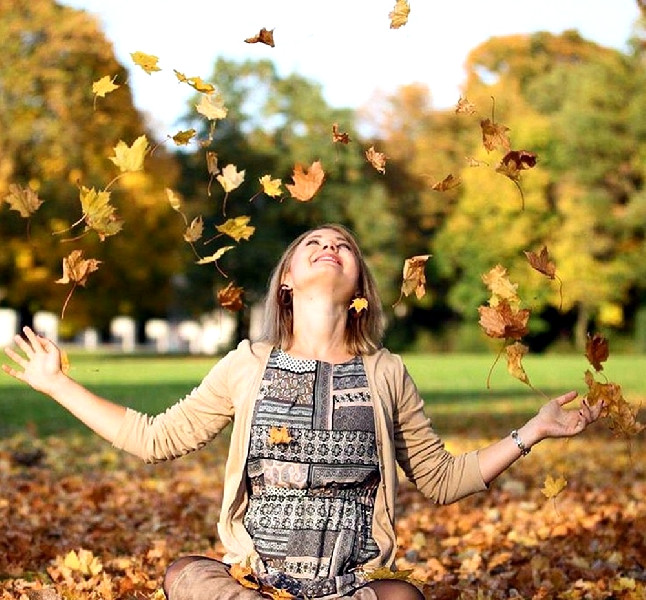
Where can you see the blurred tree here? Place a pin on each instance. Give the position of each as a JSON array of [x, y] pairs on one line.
[[53, 139]]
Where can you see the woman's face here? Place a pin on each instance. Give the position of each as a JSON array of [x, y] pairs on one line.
[[324, 261]]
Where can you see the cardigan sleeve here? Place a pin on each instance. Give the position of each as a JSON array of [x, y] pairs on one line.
[[187, 425], [437, 473]]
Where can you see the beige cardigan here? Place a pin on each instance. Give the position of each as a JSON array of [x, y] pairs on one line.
[[228, 393]]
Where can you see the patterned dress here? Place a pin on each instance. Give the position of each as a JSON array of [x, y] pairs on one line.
[[312, 492]]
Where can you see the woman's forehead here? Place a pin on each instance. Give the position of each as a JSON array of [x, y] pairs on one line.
[[327, 232]]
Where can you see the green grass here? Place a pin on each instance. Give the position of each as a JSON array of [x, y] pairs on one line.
[[453, 385]]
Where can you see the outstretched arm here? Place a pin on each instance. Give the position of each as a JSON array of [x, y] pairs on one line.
[[40, 367], [553, 420]]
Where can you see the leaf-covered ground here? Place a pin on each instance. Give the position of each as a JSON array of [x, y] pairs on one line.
[[79, 520]]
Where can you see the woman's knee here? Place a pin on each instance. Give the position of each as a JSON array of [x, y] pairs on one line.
[[395, 589], [174, 569]]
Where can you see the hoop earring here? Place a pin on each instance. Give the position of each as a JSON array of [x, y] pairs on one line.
[[285, 295]]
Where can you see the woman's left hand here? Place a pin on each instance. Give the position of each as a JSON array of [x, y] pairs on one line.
[[554, 420]]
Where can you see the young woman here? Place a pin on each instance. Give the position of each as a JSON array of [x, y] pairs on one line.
[[322, 415]]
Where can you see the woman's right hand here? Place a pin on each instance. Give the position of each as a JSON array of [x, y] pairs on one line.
[[40, 367]]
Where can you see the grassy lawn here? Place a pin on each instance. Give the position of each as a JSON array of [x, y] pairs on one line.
[[454, 386]]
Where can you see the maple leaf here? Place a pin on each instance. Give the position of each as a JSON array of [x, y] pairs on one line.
[[230, 178], [182, 138], [238, 228], [339, 137], [553, 487], [542, 263], [148, 62], [465, 107], [376, 159], [359, 304], [99, 215], [501, 288], [230, 297], [270, 186], [245, 576], [197, 83], [448, 183], [306, 181], [494, 135], [212, 106], [76, 270], [596, 350], [195, 230], [399, 15], [413, 276], [278, 435], [104, 86], [501, 321], [130, 159], [84, 562], [264, 36], [515, 353], [23, 199], [216, 256], [512, 164]]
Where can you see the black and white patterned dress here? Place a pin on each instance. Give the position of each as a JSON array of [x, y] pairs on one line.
[[311, 498]]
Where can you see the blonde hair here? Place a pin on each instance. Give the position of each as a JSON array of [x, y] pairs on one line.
[[363, 332]]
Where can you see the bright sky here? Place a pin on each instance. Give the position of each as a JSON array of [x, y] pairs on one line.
[[345, 45]]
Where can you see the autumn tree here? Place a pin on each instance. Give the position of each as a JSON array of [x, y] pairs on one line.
[[56, 137]]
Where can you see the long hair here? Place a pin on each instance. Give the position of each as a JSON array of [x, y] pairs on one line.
[[363, 331]]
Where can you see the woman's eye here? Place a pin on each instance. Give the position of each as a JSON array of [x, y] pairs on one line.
[[345, 245], [310, 242]]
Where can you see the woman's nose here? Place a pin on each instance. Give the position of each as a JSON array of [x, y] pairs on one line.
[[329, 245]]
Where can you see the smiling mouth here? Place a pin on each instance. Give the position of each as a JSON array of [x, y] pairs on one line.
[[328, 258]]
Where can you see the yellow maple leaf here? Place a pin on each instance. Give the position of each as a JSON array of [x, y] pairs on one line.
[[148, 62], [238, 228], [515, 353], [553, 487], [359, 304], [501, 288], [399, 15], [270, 186], [195, 230], [84, 562], [98, 213], [216, 256], [230, 178], [104, 86], [23, 199], [196, 83], [279, 435], [130, 159], [182, 138], [212, 106]]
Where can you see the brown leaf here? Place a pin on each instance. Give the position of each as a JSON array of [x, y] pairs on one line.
[[542, 263], [448, 183], [414, 278], [494, 135], [502, 321], [306, 182], [515, 353], [596, 350], [399, 15], [376, 159], [264, 36], [230, 298], [23, 199], [212, 163], [76, 269], [195, 230], [465, 107], [337, 136], [516, 161], [553, 487]]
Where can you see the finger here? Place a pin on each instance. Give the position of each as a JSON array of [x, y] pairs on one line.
[[23, 345], [11, 371], [565, 398], [15, 357], [33, 339]]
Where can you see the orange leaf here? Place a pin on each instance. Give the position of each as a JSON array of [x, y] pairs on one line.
[[414, 278], [244, 576], [515, 353], [494, 135], [596, 350], [501, 288], [306, 182], [376, 159], [264, 36], [279, 435], [76, 269], [465, 107], [337, 136], [230, 298], [399, 15], [501, 321], [542, 263]]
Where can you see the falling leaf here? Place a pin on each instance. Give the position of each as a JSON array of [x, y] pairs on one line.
[[130, 159], [399, 15], [195, 230], [359, 304], [264, 36], [238, 228], [339, 137], [306, 182], [212, 106], [270, 186], [76, 270], [501, 321], [197, 83], [148, 62], [65, 362], [215, 257], [99, 215], [174, 200], [376, 159], [182, 138], [515, 353], [230, 297], [23, 199], [104, 86], [465, 107], [553, 487], [279, 435], [513, 163], [501, 288], [414, 278], [596, 350], [448, 183], [474, 162], [542, 263], [494, 135], [245, 576], [212, 163], [230, 178]]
